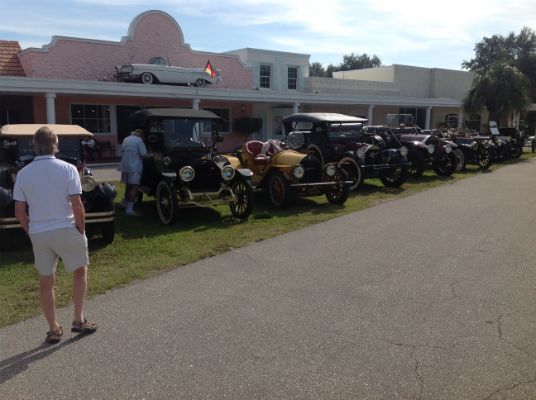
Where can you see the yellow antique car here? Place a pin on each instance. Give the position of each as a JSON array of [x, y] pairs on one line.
[[285, 173]]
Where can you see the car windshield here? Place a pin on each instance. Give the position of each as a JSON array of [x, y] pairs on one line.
[[186, 132], [68, 147], [158, 61], [345, 131]]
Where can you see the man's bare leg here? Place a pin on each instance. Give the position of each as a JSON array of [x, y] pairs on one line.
[[48, 300], [79, 292]]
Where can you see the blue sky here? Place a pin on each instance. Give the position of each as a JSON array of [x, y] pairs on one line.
[[412, 32]]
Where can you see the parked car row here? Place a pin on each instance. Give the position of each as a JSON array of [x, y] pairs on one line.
[[321, 153]]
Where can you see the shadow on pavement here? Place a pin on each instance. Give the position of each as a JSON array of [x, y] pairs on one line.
[[12, 366]]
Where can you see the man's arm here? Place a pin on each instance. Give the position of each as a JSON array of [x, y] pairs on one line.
[[79, 213], [22, 216]]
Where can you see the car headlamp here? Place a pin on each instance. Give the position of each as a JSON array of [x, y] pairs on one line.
[[227, 172], [448, 148], [88, 183], [166, 161], [298, 172], [89, 143], [430, 148], [403, 151], [187, 173], [360, 154], [486, 144], [330, 170]]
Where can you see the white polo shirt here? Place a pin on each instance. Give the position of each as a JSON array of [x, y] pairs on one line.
[[45, 185]]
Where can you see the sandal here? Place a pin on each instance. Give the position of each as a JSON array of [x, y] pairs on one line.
[[54, 337], [84, 327]]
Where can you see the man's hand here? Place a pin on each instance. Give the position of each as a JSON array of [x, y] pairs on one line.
[[22, 216], [79, 213]]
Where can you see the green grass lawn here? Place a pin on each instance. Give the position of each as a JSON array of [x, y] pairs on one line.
[[144, 247]]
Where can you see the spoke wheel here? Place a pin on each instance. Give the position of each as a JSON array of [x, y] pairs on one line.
[[200, 82], [279, 190], [338, 194], [460, 160], [417, 163], [446, 164], [353, 170], [147, 78], [395, 176], [243, 205], [516, 152], [484, 160], [166, 202]]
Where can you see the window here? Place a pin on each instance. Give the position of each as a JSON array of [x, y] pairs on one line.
[[265, 76], [419, 115], [292, 77], [94, 118], [225, 118]]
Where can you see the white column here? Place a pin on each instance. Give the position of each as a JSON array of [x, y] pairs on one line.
[[195, 104], [428, 118], [295, 107], [51, 108], [370, 110], [460, 118]]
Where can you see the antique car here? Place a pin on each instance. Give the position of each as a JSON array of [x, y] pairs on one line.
[[285, 173], [424, 149], [16, 152], [339, 138], [470, 149], [183, 169], [514, 138], [158, 70]]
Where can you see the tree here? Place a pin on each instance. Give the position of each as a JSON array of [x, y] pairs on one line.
[[358, 61], [349, 62], [500, 88], [518, 51], [316, 69]]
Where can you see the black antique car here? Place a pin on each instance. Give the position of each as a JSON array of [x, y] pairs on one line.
[[16, 152], [340, 138], [183, 169], [424, 149], [514, 138], [471, 149]]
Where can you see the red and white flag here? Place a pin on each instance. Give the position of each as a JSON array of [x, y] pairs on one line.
[[209, 70]]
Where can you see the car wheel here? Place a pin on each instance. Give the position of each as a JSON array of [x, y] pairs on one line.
[[484, 159], [338, 194], [460, 160], [417, 164], [108, 232], [200, 83], [166, 202], [503, 152], [147, 78], [243, 205], [395, 176], [279, 190], [353, 170], [516, 152], [445, 165]]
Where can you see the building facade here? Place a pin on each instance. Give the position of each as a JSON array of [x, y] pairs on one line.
[[72, 81]]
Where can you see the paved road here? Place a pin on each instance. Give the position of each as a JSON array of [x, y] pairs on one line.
[[427, 297]]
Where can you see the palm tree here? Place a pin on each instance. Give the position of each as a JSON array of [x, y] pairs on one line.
[[500, 88]]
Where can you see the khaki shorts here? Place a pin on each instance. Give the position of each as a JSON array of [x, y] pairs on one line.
[[67, 244], [131, 178]]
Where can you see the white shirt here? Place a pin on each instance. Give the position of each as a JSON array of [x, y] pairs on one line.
[[132, 151], [45, 185]]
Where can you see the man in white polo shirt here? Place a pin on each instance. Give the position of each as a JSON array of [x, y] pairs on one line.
[[49, 208]]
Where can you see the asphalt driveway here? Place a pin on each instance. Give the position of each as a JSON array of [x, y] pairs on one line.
[[431, 296]]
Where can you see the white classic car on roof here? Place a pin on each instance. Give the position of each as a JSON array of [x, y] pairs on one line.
[[158, 70]]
